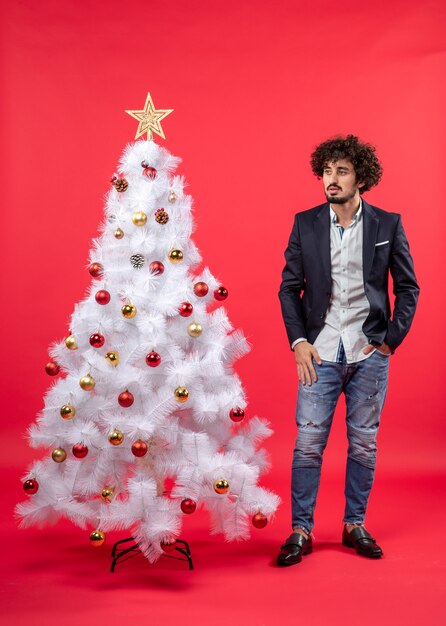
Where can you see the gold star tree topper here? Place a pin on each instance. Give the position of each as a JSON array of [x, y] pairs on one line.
[[149, 119]]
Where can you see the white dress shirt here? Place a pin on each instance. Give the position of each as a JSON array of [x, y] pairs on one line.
[[349, 307]]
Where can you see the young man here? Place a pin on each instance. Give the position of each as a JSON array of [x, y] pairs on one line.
[[336, 309]]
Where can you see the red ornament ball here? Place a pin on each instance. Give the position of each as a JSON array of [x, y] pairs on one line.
[[156, 267], [221, 293], [102, 297], [185, 309], [52, 369], [79, 450], [31, 486], [168, 546], [200, 289], [259, 520], [237, 414], [188, 506], [150, 172], [139, 448], [96, 270], [97, 340], [126, 399], [153, 359]]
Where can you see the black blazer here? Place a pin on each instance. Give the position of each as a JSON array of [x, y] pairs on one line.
[[306, 278]]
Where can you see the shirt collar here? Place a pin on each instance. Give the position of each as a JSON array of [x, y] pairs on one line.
[[356, 217]]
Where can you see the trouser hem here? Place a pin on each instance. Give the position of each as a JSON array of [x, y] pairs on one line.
[[303, 527]]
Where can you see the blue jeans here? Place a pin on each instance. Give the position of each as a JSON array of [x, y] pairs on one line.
[[364, 385]]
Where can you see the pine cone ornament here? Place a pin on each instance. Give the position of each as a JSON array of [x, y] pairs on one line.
[[137, 260], [120, 184], [161, 216]]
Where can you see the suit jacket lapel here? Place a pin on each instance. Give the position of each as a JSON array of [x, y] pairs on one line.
[[370, 232], [322, 232]]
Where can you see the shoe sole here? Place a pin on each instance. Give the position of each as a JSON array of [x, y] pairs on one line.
[[347, 544]]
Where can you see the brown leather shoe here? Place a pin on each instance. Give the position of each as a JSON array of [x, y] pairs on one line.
[[362, 542], [294, 547]]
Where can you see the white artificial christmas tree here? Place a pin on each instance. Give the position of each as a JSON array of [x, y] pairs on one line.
[[148, 391]]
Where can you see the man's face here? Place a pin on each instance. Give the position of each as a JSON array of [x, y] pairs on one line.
[[340, 184]]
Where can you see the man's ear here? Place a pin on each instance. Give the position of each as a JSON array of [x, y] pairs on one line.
[[360, 185]]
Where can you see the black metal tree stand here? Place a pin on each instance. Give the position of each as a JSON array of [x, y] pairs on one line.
[[119, 555]]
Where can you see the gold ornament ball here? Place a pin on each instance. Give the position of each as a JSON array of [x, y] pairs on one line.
[[221, 486], [181, 394], [128, 311], [87, 382], [112, 358], [175, 255], [67, 411], [115, 437], [119, 233], [139, 218], [97, 538], [70, 342], [59, 455], [172, 197], [107, 494], [194, 329]]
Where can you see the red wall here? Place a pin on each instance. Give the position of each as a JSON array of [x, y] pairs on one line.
[[255, 86]]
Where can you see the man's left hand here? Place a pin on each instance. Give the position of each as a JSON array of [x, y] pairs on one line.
[[383, 348]]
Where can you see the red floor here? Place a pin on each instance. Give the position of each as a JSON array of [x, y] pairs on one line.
[[53, 576]]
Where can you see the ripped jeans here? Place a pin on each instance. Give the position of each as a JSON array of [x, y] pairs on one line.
[[364, 384]]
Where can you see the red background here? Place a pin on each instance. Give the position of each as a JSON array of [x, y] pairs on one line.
[[255, 86]]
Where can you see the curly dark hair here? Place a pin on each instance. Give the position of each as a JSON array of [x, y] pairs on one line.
[[368, 169]]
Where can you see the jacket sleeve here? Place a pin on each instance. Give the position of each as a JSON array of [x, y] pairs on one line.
[[291, 287], [405, 288]]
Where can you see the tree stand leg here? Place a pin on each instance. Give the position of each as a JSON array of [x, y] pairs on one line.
[[119, 555]]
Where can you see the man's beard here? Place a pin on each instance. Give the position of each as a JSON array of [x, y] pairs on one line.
[[339, 199]]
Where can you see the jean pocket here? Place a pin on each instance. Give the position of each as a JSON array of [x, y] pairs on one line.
[[385, 356]]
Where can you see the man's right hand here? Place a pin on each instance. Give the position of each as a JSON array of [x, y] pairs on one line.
[[304, 353]]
